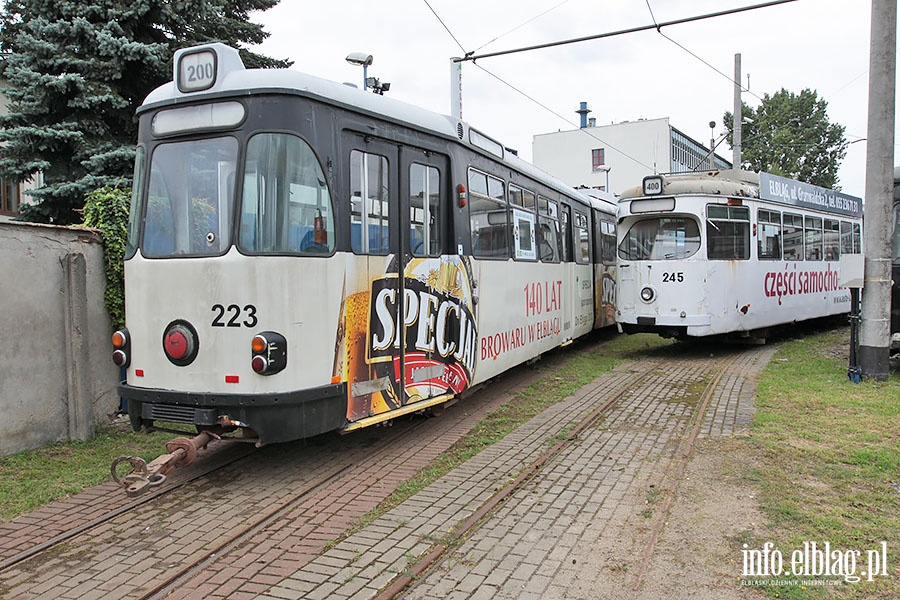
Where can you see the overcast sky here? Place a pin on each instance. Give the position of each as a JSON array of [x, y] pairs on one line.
[[818, 44]]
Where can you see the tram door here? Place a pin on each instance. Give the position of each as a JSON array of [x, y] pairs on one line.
[[397, 211], [429, 274]]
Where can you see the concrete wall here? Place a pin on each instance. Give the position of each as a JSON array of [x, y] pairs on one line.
[[57, 380]]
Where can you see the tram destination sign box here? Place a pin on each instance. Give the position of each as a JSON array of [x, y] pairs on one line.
[[806, 195]]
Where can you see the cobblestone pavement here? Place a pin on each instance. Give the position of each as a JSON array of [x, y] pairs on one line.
[[576, 521], [581, 516], [185, 533]]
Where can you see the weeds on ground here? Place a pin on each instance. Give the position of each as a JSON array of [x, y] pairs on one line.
[[35, 477], [831, 464]]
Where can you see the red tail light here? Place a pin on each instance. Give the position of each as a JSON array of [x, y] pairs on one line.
[[268, 353], [121, 342]]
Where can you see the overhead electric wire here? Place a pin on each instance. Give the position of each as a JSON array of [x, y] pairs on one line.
[[521, 25], [726, 76], [445, 27], [657, 26], [550, 110], [472, 56]]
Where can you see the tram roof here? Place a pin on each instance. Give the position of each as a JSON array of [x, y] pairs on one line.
[[234, 79], [732, 182], [747, 184]]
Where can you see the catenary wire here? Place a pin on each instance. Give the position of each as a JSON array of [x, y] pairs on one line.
[[521, 25], [547, 108], [446, 28], [657, 26]]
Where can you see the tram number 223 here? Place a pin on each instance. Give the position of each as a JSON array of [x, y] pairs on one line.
[[673, 276], [232, 316]]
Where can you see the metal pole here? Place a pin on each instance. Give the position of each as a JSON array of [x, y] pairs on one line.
[[854, 372], [874, 344], [456, 87], [738, 116]]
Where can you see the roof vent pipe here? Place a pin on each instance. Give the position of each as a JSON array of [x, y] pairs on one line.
[[583, 111]]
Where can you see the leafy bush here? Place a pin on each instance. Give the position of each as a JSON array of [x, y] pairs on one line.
[[106, 209]]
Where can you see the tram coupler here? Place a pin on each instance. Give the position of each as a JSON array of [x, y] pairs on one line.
[[181, 452]]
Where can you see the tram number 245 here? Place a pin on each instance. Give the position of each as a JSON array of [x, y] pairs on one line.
[[673, 277], [231, 316]]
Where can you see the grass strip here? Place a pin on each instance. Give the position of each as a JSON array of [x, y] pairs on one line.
[[830, 463]]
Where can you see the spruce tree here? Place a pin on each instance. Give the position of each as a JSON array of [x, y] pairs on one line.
[[77, 71]]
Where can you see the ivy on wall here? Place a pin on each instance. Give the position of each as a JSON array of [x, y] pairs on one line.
[[106, 209]]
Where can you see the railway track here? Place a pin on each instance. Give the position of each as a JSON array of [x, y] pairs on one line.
[[154, 546], [98, 543], [600, 498], [582, 464], [272, 514]]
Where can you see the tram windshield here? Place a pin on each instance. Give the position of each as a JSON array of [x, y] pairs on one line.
[[661, 238], [189, 199]]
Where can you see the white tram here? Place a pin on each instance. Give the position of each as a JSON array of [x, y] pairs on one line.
[[731, 252], [304, 256]]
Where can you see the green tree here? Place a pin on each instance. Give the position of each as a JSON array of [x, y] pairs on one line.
[[76, 73], [790, 135]]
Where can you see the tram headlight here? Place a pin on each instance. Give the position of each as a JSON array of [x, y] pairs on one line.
[[268, 353], [648, 294], [121, 341]]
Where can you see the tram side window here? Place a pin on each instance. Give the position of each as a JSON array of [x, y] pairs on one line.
[[488, 216], [548, 230], [369, 216], [189, 199], [793, 237], [521, 197], [727, 232], [524, 223], [582, 238], [812, 227], [424, 210], [846, 237], [608, 242], [566, 225], [137, 194], [286, 207], [832, 240], [604, 240], [769, 240]]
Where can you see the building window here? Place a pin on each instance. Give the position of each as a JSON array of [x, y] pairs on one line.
[[10, 196], [598, 158]]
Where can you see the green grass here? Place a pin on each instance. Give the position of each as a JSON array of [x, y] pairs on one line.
[[35, 477], [830, 468]]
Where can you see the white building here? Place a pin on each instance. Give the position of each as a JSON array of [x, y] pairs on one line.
[[616, 157]]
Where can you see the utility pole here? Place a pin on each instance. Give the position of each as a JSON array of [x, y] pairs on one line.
[[874, 339], [737, 116]]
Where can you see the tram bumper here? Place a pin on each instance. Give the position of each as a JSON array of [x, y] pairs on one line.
[[666, 325], [274, 417]]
